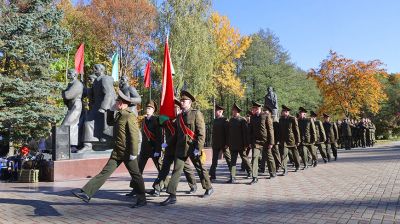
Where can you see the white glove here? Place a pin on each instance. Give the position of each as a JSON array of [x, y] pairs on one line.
[[164, 145], [156, 154], [131, 157], [196, 152]]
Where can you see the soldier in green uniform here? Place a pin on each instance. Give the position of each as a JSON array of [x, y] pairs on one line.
[[320, 135], [275, 149], [346, 132], [289, 139], [307, 138], [125, 150], [219, 140], [261, 139], [152, 140], [189, 144], [237, 142], [170, 127], [332, 134], [362, 125]]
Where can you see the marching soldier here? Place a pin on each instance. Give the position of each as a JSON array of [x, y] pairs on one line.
[[363, 132], [170, 127], [237, 142], [261, 138], [307, 138], [320, 135], [152, 140], [219, 140], [332, 134], [189, 144], [289, 139], [346, 132], [126, 136]]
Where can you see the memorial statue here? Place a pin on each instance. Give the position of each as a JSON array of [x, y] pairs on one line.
[[72, 96], [102, 98], [131, 92], [271, 100]]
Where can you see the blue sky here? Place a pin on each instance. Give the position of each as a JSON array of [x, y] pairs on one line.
[[308, 29]]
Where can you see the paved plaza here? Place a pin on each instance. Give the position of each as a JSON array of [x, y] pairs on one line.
[[363, 186]]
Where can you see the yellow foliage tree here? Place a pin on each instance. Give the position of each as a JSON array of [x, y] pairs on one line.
[[349, 86], [230, 47]]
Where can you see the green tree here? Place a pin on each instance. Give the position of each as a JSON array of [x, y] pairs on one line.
[[30, 35], [267, 64]]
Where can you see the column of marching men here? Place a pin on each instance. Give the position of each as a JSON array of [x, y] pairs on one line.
[[276, 145]]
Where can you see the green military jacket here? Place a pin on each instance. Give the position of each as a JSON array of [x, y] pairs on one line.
[[331, 132], [126, 135], [193, 120], [220, 132], [261, 130], [237, 134], [276, 132], [307, 131], [289, 135], [346, 129], [320, 131], [151, 145]]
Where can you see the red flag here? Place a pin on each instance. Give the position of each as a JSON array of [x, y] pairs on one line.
[[147, 77], [79, 58], [167, 93]]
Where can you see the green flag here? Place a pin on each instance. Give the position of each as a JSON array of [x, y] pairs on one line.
[[114, 73]]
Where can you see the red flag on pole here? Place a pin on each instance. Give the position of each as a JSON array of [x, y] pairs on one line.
[[79, 58], [167, 93], [147, 77]]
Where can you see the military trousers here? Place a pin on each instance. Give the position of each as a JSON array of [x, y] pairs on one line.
[[347, 142], [215, 156], [322, 151], [303, 150], [166, 166], [268, 159], [284, 150], [179, 164], [144, 156], [245, 161], [312, 153], [331, 147], [277, 156], [137, 182]]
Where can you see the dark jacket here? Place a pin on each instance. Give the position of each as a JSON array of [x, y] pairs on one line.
[[331, 132], [148, 144], [320, 131], [220, 133], [170, 130], [307, 131], [289, 135], [261, 130], [237, 134]]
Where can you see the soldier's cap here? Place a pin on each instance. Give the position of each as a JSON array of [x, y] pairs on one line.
[[218, 107], [255, 104], [325, 115], [285, 108], [236, 107], [152, 104], [185, 95], [266, 107], [177, 102], [123, 97], [302, 110], [313, 114]]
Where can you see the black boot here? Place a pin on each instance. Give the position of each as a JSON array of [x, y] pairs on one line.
[[193, 189], [82, 195], [139, 204], [208, 193], [254, 181], [131, 194], [154, 192], [232, 180], [169, 201]]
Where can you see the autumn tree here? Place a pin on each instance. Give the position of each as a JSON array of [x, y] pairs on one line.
[[348, 86], [230, 47]]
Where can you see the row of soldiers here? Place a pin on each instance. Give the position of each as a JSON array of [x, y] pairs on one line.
[[353, 133], [272, 144]]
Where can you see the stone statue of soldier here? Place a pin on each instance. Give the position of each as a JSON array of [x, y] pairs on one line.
[[271, 100], [131, 92], [72, 97], [102, 98]]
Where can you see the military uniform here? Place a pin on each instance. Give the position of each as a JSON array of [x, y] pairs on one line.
[[275, 148], [363, 133], [219, 143], [320, 136], [125, 150], [307, 139], [237, 142], [170, 127], [346, 133], [190, 143], [289, 138], [332, 134], [262, 139]]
